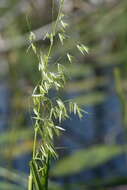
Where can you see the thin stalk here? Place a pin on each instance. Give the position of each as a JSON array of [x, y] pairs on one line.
[[122, 98], [30, 182], [121, 95], [35, 142], [60, 10], [54, 29], [47, 172]]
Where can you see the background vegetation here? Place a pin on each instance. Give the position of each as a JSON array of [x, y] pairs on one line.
[[96, 145]]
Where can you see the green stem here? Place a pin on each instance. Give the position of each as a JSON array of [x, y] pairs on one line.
[[54, 30], [35, 142], [47, 172], [121, 95], [60, 10], [30, 182]]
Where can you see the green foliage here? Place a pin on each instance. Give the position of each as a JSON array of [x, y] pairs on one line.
[[86, 159], [9, 186], [12, 176]]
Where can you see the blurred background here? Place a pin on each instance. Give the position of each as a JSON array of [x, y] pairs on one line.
[[92, 151]]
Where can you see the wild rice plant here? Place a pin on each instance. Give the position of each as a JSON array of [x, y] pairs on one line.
[[47, 111]]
